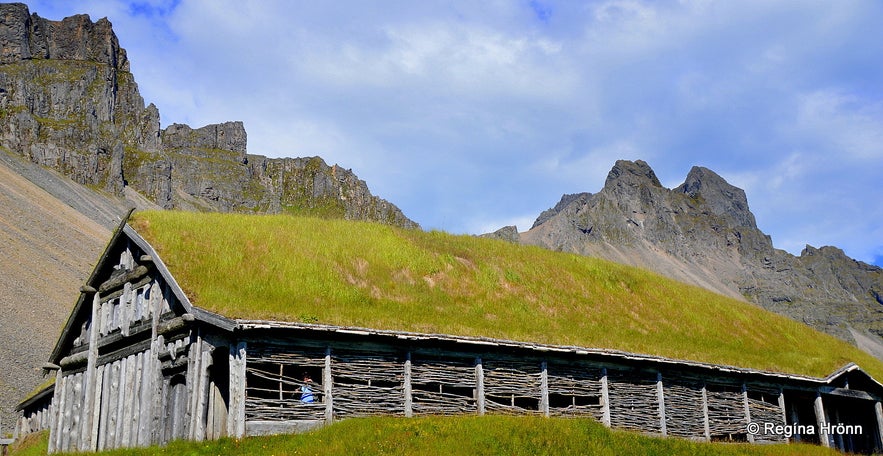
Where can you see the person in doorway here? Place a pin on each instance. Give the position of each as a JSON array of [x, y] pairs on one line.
[[306, 390]]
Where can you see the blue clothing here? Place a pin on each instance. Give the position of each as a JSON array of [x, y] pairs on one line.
[[306, 394]]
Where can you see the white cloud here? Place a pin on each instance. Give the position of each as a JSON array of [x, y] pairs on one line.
[[471, 115]]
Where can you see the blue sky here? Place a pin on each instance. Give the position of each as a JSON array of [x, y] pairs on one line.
[[474, 115]]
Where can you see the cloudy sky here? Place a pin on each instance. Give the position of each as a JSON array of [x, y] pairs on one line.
[[473, 115]]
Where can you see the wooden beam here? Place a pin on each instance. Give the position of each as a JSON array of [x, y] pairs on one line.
[[705, 420], [479, 386], [660, 397], [236, 419], [327, 386], [544, 388], [784, 413], [747, 411], [605, 398], [406, 387], [89, 426], [821, 424], [878, 413]]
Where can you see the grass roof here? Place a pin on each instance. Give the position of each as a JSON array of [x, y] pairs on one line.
[[339, 272]]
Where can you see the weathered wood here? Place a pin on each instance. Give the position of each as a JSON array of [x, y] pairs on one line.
[[479, 386], [684, 416], [821, 420], [878, 414], [705, 419], [174, 324], [145, 417], [443, 386], [544, 389], [121, 403], [128, 389], [236, 417], [119, 280], [200, 416], [633, 396], [747, 411], [409, 412], [660, 397], [327, 385], [105, 405], [767, 406], [367, 384], [511, 386], [605, 399], [133, 420], [89, 427], [96, 407]]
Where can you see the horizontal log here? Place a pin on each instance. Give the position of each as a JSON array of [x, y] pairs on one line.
[[71, 361], [120, 279], [174, 324]]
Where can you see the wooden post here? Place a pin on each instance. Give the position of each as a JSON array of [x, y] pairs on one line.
[[878, 412], [236, 420], [705, 421], [327, 385], [660, 395], [819, 408], [89, 428], [784, 413], [479, 386], [747, 411], [132, 422], [605, 398], [406, 387], [544, 388], [203, 392]]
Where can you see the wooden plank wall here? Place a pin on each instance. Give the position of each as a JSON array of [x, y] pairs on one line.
[[135, 375]]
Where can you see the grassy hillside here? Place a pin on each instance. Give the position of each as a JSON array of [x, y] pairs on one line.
[[458, 436], [363, 274]]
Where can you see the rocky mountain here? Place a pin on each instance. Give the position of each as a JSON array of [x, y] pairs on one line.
[[69, 102], [702, 232]]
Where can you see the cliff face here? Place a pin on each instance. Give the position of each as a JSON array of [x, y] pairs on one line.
[[69, 102], [702, 232]]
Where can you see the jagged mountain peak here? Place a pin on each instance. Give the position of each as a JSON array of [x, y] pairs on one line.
[[720, 196], [626, 172]]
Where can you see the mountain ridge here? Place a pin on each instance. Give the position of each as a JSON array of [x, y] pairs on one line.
[[703, 232], [69, 102]]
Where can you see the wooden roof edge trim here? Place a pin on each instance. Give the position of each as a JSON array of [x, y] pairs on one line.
[[102, 261], [244, 324], [851, 367], [200, 314], [33, 398]]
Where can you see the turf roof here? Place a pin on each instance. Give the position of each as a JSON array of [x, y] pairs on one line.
[[281, 267]]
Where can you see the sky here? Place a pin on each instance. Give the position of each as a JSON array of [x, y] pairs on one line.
[[474, 115]]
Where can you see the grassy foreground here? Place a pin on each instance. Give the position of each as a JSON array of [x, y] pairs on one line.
[[341, 272], [489, 435]]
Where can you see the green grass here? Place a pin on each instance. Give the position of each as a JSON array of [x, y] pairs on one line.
[[372, 275], [489, 435]]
